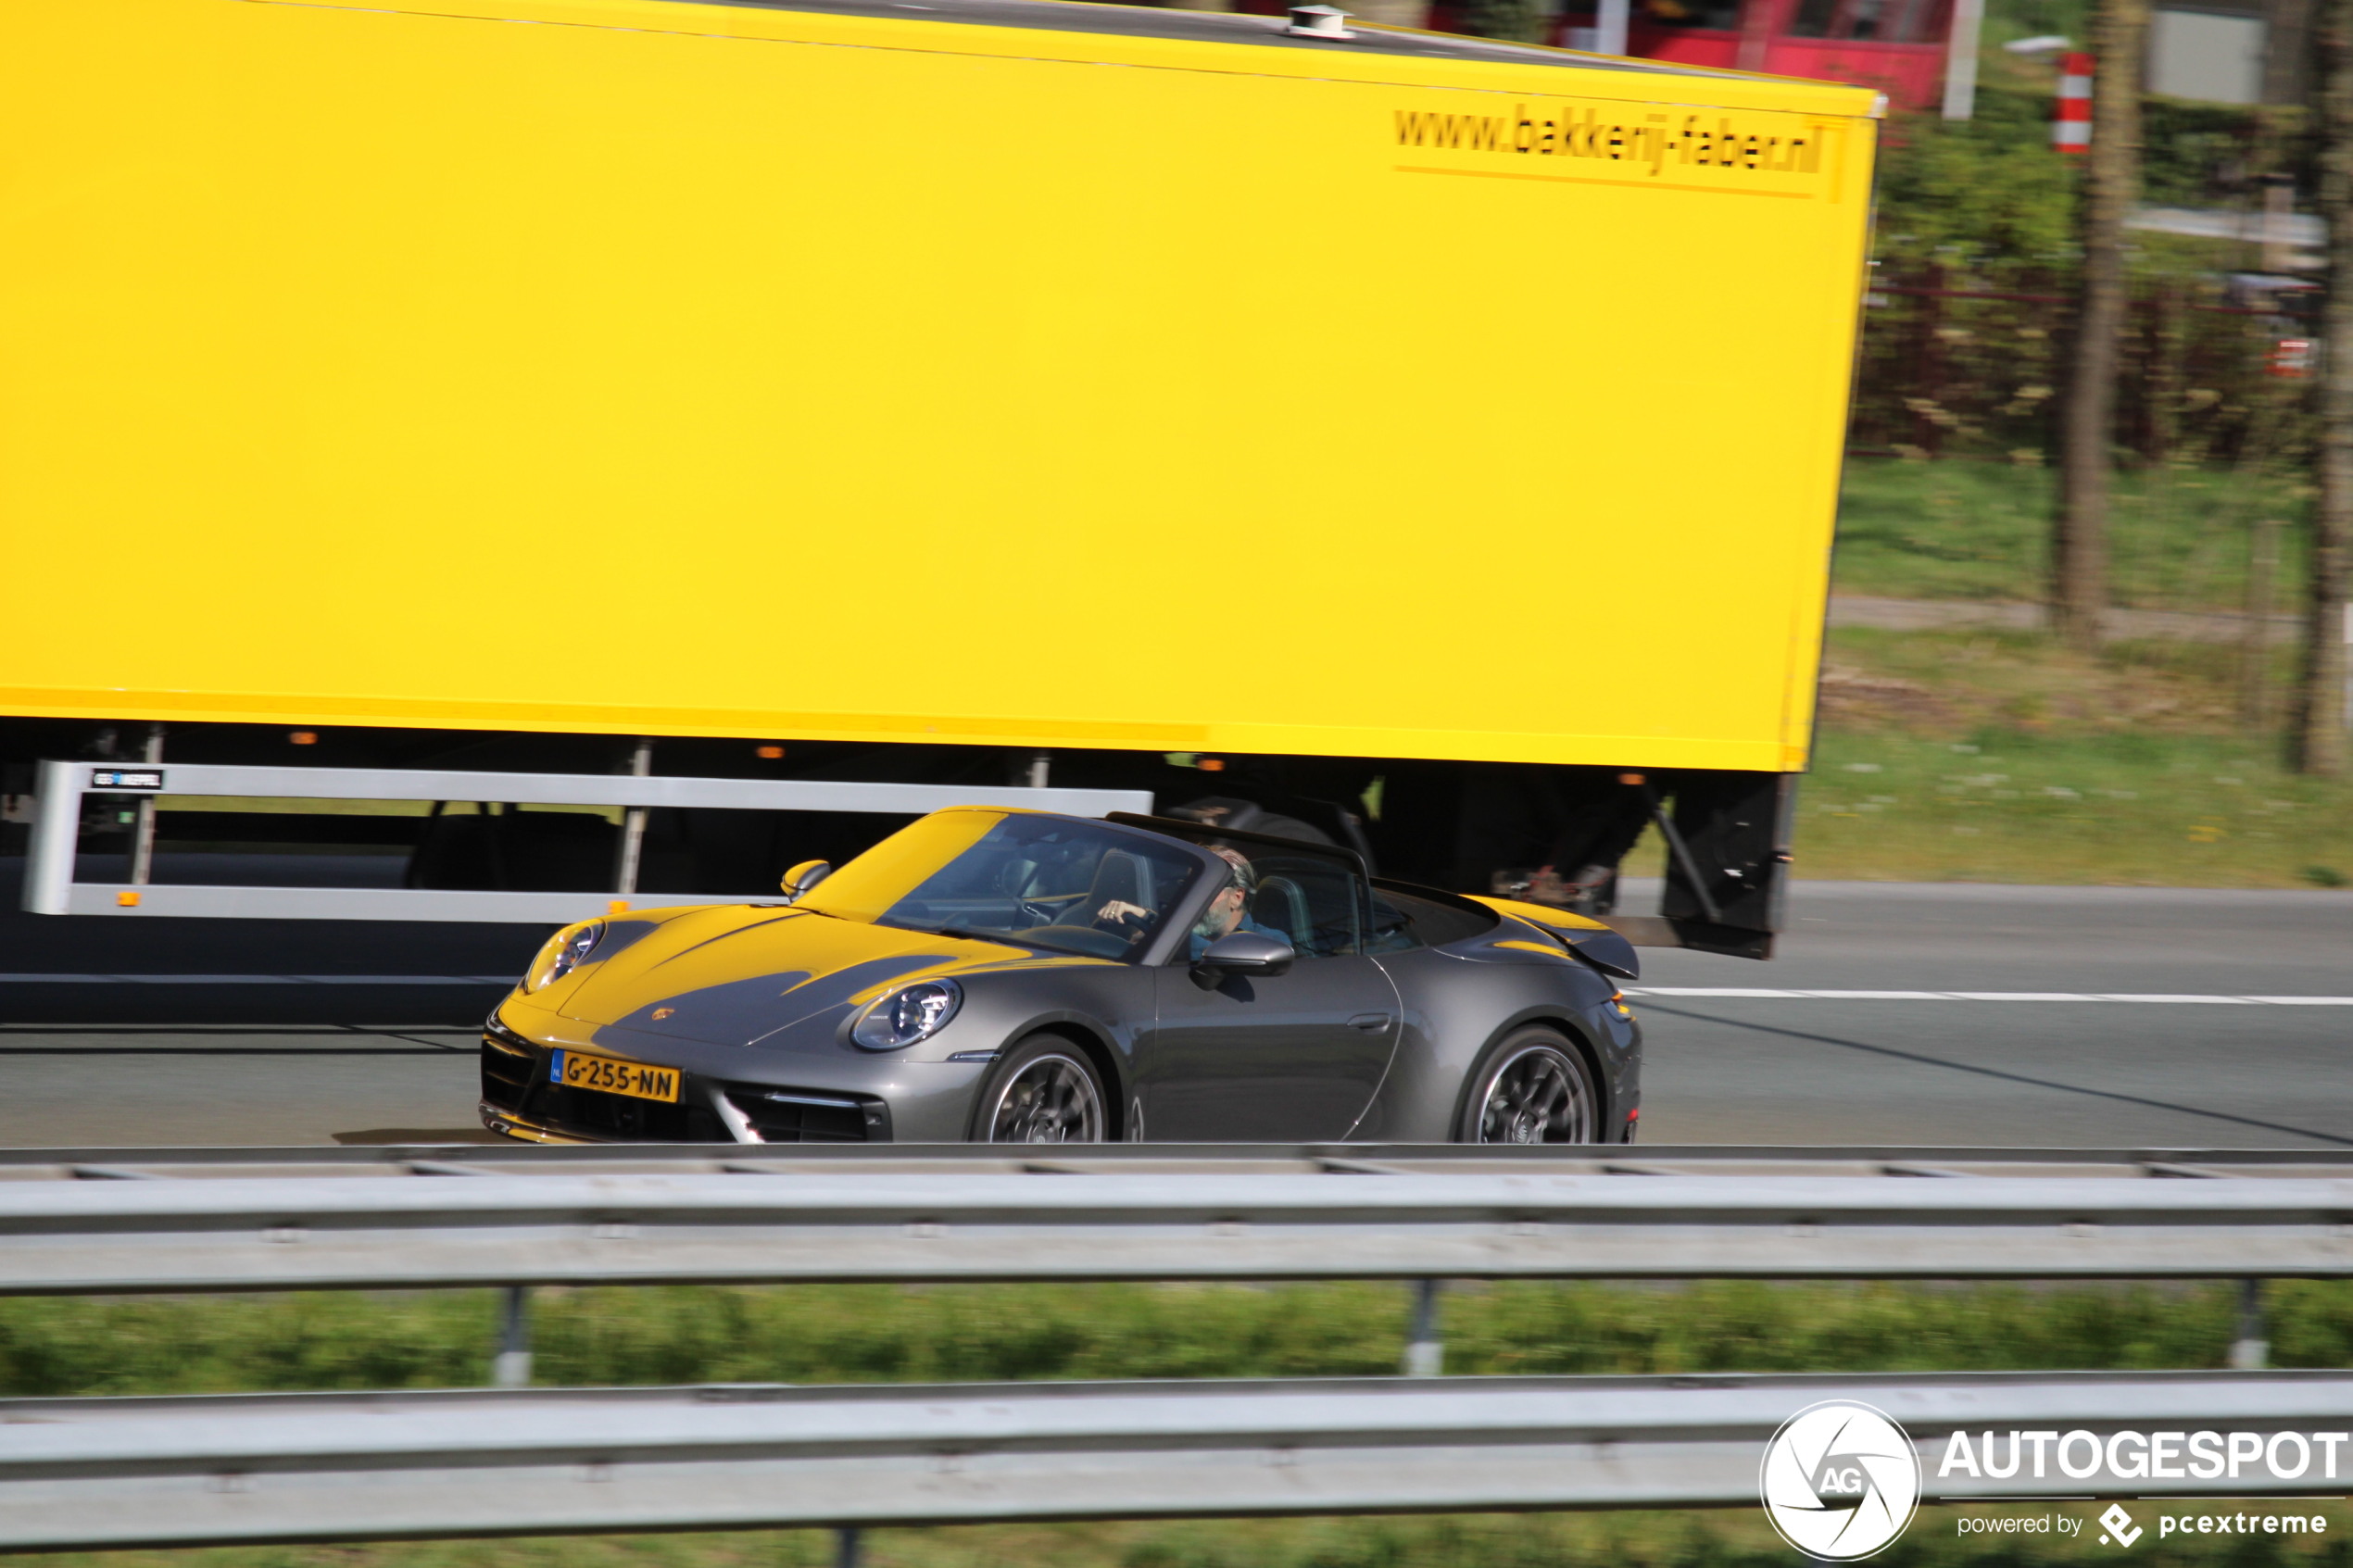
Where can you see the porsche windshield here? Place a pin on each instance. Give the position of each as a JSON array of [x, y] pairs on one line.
[[1035, 880]]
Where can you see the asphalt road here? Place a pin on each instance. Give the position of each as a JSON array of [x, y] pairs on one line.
[[2078, 1073], [241, 1032], [305, 1050]]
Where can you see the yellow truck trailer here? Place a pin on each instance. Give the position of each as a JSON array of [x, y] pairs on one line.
[[1418, 422]]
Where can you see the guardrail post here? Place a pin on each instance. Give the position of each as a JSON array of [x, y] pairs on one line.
[[848, 1550], [511, 1367], [1425, 1352], [2251, 1351]]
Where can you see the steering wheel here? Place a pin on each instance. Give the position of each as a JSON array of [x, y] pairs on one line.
[[1126, 924]]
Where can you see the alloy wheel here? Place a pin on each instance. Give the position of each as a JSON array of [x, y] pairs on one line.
[[1052, 1100], [1536, 1096]]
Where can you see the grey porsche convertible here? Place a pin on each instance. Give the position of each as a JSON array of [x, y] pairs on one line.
[[1022, 977]]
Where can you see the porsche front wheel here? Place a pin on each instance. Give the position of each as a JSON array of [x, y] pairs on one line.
[[1044, 1091], [1534, 1089]]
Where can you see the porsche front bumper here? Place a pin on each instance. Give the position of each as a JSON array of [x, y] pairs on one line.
[[754, 1097]]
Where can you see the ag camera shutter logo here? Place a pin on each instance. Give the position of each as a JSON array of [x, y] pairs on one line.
[[1839, 1480]]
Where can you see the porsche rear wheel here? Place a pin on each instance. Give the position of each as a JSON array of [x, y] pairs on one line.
[[1534, 1089], [1045, 1091]]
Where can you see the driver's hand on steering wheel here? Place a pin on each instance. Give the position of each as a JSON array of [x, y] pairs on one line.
[[1119, 910]]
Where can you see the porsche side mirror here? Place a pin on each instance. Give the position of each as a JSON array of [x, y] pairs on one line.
[[1244, 952], [802, 877]]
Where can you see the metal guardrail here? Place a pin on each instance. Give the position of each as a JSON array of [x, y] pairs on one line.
[[305, 1161], [458, 1215], [50, 887], [89, 1474], [119, 1472]]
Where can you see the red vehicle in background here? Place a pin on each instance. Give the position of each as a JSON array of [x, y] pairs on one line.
[[1894, 46]]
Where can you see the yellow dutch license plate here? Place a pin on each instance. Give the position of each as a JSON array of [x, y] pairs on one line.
[[578, 1069]]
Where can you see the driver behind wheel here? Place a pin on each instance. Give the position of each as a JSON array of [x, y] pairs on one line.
[[1229, 911]]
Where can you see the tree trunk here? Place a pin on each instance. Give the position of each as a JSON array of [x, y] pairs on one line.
[[2112, 184], [2320, 743]]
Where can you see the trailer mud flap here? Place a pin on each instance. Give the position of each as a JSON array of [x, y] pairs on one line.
[[1728, 856]]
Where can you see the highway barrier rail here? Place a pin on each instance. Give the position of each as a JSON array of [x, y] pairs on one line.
[[89, 1474], [238, 1469], [293, 1219]]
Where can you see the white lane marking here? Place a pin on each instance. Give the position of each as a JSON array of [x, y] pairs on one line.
[[258, 979], [1887, 996], [2019, 996], [1748, 991], [1706, 991], [2227, 1001]]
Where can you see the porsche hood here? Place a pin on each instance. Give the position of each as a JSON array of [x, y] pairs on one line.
[[740, 974]]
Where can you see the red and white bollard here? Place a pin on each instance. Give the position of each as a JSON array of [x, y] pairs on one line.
[[2290, 358], [2071, 115]]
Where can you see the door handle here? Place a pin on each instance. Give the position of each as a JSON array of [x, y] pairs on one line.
[[1371, 1023]]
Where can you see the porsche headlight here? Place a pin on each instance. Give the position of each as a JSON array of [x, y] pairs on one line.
[[912, 1013], [562, 954]]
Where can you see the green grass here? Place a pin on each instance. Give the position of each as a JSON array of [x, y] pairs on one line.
[[863, 1334], [2013, 806], [888, 1333], [1962, 530], [2006, 757], [1731, 1539]]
